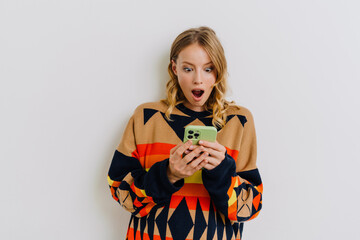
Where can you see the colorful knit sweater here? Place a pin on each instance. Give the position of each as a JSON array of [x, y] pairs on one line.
[[211, 204]]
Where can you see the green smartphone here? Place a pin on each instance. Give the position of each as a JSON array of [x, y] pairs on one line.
[[197, 133]]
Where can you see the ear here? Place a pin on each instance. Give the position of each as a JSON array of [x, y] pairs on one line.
[[173, 67]]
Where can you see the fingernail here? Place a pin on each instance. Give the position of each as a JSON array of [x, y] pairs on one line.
[[200, 142], [191, 147]]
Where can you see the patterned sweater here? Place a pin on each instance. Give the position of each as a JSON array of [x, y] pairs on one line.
[[211, 204]]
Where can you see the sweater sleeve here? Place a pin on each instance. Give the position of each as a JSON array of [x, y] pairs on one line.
[[236, 186], [136, 189]]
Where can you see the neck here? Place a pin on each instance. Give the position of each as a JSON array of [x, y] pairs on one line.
[[194, 108]]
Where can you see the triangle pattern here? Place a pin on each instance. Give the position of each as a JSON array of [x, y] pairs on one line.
[[142, 225], [211, 223], [200, 223], [178, 124], [181, 212], [242, 119], [161, 222], [135, 224], [151, 224], [148, 113], [220, 226]]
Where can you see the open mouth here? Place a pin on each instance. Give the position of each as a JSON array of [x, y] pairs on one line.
[[197, 93]]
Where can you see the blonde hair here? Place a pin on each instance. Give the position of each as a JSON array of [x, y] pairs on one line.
[[206, 38]]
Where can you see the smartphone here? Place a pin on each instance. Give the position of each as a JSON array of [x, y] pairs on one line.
[[197, 133]]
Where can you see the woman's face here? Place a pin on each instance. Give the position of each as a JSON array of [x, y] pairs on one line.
[[196, 75]]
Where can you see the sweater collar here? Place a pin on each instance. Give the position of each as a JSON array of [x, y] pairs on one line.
[[192, 113]]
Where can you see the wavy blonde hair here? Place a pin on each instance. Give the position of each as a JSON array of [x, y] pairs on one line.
[[205, 37]]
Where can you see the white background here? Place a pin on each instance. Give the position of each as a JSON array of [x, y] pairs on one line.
[[73, 71]]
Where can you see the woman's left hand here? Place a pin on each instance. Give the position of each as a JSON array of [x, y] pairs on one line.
[[216, 153]]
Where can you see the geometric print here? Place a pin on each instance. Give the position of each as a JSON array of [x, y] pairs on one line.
[[178, 122], [212, 205], [162, 223], [189, 217]]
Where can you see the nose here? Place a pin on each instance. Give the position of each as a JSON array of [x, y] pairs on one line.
[[198, 78]]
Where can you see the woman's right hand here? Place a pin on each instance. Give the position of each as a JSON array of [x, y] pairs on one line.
[[181, 166]]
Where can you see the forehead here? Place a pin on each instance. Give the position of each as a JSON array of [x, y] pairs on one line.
[[194, 54]]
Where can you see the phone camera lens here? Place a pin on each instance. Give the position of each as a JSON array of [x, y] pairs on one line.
[[191, 132], [196, 135], [190, 137]]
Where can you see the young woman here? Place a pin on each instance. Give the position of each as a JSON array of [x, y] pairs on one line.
[[177, 190]]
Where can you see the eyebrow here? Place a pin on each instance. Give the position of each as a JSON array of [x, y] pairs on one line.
[[185, 62]]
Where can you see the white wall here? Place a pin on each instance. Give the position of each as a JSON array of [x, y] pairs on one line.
[[72, 73]]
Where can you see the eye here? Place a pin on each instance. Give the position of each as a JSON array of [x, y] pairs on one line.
[[186, 69], [209, 69]]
